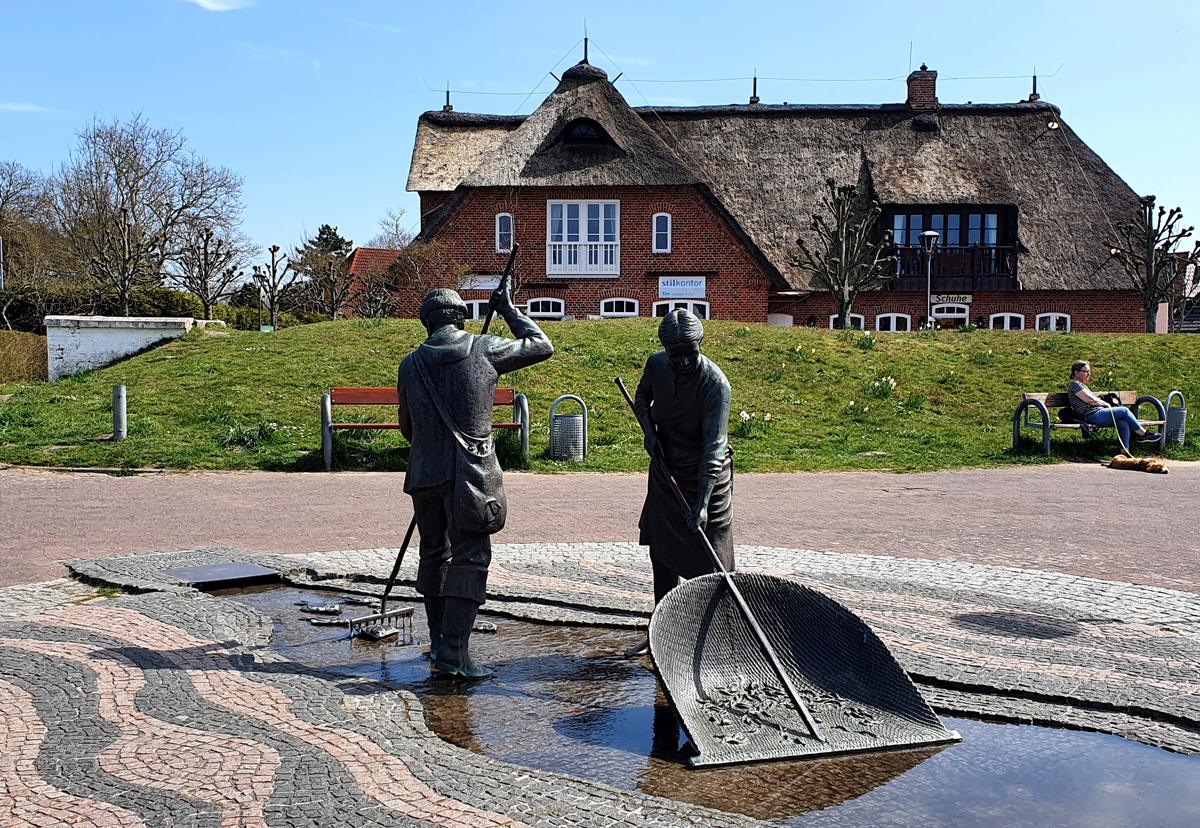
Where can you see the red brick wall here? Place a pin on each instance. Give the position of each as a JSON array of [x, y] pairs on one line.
[[1109, 311], [701, 244], [922, 89]]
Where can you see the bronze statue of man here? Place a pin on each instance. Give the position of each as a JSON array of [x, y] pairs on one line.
[[682, 403], [446, 389]]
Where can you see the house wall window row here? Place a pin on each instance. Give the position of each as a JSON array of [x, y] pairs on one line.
[[611, 308], [1053, 322], [699, 309], [893, 322], [545, 308], [1006, 322], [661, 233], [477, 308], [583, 238], [504, 232]]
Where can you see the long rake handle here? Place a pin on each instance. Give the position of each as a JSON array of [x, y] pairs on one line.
[[738, 598]]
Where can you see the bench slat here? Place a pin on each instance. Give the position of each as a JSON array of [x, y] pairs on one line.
[[1058, 399], [364, 425], [388, 396]]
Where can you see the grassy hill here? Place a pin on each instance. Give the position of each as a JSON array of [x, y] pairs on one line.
[[245, 400]]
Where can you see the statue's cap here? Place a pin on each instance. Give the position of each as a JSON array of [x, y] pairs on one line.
[[442, 299]]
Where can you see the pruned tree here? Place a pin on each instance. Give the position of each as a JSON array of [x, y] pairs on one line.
[[322, 262], [423, 266], [126, 193], [393, 233], [1148, 252], [209, 263], [274, 280], [846, 257]]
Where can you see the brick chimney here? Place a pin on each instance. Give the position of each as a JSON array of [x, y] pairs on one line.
[[922, 90]]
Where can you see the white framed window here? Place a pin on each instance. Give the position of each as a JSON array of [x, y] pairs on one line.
[[698, 309], [1006, 322], [476, 308], [583, 238], [855, 320], [893, 322], [662, 233], [545, 308], [618, 307], [1053, 322], [962, 312], [504, 232]]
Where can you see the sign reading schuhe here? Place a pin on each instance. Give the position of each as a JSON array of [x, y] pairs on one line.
[[681, 287], [950, 298]]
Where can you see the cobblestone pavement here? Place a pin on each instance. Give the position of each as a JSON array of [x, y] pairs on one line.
[[169, 708], [1077, 518]]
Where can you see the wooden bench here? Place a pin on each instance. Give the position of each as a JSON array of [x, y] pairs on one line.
[[1043, 403], [388, 396]]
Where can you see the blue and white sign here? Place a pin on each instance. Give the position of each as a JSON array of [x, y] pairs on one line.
[[681, 287]]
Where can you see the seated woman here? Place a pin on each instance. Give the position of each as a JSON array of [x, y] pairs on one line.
[[1097, 412]]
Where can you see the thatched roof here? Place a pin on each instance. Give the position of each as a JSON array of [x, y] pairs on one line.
[[766, 165], [534, 154]]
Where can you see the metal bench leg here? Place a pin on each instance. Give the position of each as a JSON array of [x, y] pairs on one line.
[[327, 430], [522, 416]]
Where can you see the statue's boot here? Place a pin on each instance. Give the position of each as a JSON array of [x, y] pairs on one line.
[[453, 656], [641, 648], [435, 607]]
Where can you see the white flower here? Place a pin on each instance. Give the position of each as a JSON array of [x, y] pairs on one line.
[[745, 416], [766, 416]]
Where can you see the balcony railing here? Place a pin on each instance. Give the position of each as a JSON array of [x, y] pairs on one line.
[[582, 258], [957, 269]]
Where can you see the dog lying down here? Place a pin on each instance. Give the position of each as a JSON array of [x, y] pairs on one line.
[[1146, 464]]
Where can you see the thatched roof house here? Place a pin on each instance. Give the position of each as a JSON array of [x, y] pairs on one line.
[[1014, 170]]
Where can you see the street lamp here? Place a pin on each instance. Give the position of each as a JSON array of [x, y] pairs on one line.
[[929, 240]]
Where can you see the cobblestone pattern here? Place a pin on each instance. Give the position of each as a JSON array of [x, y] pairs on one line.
[[1017, 644], [171, 710]]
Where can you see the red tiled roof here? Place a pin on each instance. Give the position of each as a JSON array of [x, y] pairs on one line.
[[365, 259]]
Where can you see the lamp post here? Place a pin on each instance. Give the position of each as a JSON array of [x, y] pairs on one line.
[[929, 240]]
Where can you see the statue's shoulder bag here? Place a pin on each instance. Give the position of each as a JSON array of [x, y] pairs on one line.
[[479, 502]]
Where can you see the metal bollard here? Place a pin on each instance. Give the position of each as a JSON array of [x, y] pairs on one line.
[[119, 427]]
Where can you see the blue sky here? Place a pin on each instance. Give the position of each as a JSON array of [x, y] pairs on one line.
[[315, 103]]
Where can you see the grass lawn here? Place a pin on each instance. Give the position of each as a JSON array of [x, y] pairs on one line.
[[246, 400]]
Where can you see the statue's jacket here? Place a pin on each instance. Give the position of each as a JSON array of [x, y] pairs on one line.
[[464, 369], [691, 419]]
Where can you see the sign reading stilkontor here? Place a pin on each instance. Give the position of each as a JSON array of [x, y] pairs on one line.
[[681, 287]]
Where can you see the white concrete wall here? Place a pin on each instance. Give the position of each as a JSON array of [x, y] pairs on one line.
[[74, 343], [784, 319]]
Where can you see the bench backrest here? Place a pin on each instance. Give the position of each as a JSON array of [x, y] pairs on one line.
[[388, 396], [1059, 399]]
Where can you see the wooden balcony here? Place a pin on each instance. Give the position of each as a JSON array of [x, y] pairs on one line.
[[957, 269]]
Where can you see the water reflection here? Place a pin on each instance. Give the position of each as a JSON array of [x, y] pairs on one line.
[[564, 700]]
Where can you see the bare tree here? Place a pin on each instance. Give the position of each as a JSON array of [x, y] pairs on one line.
[[1148, 252], [375, 295], [393, 233], [36, 257], [847, 258], [126, 193], [423, 266], [274, 281], [209, 262], [1187, 289]]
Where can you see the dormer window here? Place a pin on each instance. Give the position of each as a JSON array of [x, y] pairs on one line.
[[585, 132]]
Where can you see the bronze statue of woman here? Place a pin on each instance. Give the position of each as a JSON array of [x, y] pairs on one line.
[[682, 403]]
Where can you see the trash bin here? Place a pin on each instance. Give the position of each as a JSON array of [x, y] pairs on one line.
[[1176, 419], [568, 432]]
